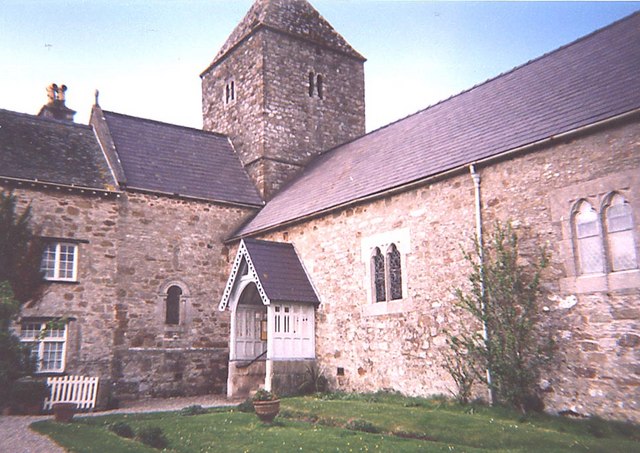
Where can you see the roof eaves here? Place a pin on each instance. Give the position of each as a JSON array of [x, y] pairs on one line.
[[194, 198], [485, 82], [56, 185]]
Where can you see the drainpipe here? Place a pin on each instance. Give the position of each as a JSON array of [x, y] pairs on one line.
[[479, 238]]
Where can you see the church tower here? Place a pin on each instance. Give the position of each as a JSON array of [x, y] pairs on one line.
[[284, 87]]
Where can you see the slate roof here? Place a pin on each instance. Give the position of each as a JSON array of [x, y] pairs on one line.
[[594, 78], [280, 272], [165, 158], [50, 151], [292, 17]]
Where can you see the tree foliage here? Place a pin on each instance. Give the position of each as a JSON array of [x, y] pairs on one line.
[[511, 340], [20, 251], [20, 281]]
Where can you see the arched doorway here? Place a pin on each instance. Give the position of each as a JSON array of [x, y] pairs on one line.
[[250, 326], [248, 348]]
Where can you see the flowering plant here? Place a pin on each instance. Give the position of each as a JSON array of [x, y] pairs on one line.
[[264, 395]]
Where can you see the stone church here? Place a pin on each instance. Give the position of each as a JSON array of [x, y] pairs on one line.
[[189, 261]]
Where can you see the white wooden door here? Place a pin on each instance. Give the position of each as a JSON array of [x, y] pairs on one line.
[[248, 343]]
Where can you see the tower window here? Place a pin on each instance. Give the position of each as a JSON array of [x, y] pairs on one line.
[[316, 83], [230, 92]]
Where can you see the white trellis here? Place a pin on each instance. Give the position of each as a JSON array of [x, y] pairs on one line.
[[81, 390]]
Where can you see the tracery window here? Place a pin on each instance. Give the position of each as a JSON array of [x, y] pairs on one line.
[[378, 272], [588, 236], [385, 255], [604, 242], [619, 232], [386, 270], [394, 267]]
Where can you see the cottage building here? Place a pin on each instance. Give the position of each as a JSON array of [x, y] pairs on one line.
[[190, 261]]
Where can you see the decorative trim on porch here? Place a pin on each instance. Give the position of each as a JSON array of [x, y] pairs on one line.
[[276, 270]]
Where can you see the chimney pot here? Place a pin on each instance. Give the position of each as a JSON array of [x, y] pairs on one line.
[[55, 108]]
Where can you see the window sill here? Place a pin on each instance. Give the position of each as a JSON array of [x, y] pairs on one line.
[[49, 373], [67, 282], [614, 281], [388, 308]]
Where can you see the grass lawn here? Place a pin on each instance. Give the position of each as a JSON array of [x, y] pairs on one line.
[[344, 422]]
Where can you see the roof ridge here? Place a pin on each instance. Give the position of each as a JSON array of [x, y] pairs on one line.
[[164, 123], [610, 51], [264, 241], [47, 120], [489, 80]]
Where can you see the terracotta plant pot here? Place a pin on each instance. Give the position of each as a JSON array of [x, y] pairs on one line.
[[64, 412], [267, 410]]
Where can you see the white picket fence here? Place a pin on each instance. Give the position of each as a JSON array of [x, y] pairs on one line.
[[81, 390]]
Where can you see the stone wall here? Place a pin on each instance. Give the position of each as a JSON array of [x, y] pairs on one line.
[[166, 242], [89, 302], [274, 124], [365, 346], [132, 248]]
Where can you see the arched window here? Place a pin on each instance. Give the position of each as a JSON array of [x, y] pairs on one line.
[[173, 305], [378, 272], [319, 83], [312, 87], [620, 242], [395, 273], [588, 237]]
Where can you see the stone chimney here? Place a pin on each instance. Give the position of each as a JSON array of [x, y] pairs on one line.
[[55, 108]]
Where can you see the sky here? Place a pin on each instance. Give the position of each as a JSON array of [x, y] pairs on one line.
[[145, 56]]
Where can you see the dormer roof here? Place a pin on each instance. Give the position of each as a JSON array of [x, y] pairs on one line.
[[295, 18]]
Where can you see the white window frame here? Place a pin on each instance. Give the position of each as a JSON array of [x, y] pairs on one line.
[[39, 338], [57, 261]]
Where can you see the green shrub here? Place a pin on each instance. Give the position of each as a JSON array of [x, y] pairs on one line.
[[598, 427], [356, 424], [122, 429], [246, 406], [503, 297], [314, 381], [196, 409], [153, 437], [28, 392]]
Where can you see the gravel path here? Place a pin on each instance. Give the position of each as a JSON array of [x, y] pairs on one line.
[[16, 437]]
